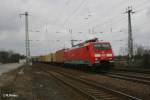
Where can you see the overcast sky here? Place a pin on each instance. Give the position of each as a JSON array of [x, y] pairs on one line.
[[50, 21]]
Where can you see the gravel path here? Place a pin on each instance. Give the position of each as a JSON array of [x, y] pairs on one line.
[[33, 84], [7, 67]]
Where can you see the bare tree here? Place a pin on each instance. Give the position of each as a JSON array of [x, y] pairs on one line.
[[140, 50]]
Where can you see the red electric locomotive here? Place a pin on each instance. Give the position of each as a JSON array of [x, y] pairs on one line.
[[91, 53]]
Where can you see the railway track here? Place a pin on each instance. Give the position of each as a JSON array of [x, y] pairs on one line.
[[133, 78], [128, 77], [137, 70], [90, 89]]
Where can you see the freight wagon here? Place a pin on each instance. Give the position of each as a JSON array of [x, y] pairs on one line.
[[60, 56]]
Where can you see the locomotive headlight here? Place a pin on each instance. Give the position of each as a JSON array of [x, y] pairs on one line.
[[96, 59], [109, 55], [97, 55]]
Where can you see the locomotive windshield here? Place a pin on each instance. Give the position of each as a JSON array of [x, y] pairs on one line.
[[104, 46]]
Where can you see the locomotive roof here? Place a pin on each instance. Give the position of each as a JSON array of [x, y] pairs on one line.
[[85, 44]]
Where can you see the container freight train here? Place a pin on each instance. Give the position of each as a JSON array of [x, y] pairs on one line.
[[91, 53]]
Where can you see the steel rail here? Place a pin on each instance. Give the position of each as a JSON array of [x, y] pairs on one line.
[[101, 86], [128, 77], [74, 87], [144, 71]]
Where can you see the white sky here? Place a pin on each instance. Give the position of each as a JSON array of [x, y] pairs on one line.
[[53, 19]]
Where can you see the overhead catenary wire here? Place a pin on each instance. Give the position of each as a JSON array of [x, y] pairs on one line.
[[140, 4], [101, 25], [113, 7], [105, 22], [64, 7], [74, 12], [67, 20], [145, 7]]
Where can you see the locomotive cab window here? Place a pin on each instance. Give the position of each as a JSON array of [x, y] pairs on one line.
[[104, 46]]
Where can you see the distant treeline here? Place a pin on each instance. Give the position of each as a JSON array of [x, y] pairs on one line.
[[10, 57], [141, 57]]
